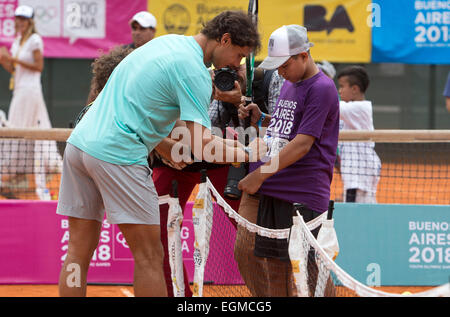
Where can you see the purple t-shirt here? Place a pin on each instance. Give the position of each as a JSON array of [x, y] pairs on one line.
[[309, 107]]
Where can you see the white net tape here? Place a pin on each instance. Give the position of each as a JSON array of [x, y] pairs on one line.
[[351, 283], [174, 220], [304, 231]]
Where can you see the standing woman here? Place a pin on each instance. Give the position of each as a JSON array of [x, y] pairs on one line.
[[26, 62], [27, 108]]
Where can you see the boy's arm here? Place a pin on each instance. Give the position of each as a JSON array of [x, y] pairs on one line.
[[292, 152]]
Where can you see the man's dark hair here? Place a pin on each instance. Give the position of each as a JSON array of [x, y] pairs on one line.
[[102, 68], [238, 24], [357, 75]]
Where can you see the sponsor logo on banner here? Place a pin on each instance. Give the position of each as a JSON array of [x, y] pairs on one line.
[[102, 255], [432, 23], [74, 28], [47, 15], [188, 17], [71, 19], [315, 19], [112, 245], [416, 32], [429, 245], [84, 19], [176, 19], [339, 29]]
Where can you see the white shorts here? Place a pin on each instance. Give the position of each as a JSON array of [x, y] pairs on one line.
[[90, 186]]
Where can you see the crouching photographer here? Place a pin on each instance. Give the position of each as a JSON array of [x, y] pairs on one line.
[[228, 91]]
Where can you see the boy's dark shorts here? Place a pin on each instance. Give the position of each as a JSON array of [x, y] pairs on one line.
[[275, 213]]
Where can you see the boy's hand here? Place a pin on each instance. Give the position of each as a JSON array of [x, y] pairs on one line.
[[251, 183]]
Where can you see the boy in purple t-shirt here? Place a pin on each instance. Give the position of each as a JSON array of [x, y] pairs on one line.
[[302, 135]]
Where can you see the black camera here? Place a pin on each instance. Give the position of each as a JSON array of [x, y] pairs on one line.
[[224, 78]]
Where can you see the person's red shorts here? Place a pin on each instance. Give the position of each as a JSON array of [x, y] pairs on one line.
[[162, 178]]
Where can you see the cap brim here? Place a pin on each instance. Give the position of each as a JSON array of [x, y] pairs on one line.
[[142, 23], [24, 15], [273, 62]]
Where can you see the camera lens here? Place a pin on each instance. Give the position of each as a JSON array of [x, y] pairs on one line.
[[224, 79]]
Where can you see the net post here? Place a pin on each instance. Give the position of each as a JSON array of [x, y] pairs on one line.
[[330, 210], [298, 208], [203, 175], [174, 188]]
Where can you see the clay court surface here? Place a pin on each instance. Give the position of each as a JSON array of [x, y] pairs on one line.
[[127, 291]]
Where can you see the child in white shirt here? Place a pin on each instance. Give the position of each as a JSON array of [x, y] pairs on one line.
[[360, 164]]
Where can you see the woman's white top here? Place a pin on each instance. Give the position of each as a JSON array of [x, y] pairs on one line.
[[25, 77]]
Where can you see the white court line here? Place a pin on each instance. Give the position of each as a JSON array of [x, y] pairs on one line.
[[126, 292]]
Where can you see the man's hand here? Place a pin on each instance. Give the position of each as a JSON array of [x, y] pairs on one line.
[[233, 96], [244, 112]]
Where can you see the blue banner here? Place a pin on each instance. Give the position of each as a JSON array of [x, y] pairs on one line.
[[411, 31], [394, 245]]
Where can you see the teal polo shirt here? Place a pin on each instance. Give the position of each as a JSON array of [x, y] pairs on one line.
[[158, 83]]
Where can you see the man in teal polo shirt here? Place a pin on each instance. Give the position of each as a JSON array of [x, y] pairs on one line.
[[105, 162]]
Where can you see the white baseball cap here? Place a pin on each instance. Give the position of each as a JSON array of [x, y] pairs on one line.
[[24, 11], [145, 19], [285, 42]]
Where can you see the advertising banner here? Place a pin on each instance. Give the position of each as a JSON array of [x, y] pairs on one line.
[[394, 244], [416, 32], [343, 31], [34, 242], [337, 28], [74, 28], [379, 245]]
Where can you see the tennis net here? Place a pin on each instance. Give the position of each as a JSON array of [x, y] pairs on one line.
[[393, 166], [310, 270], [31, 162], [413, 169]]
